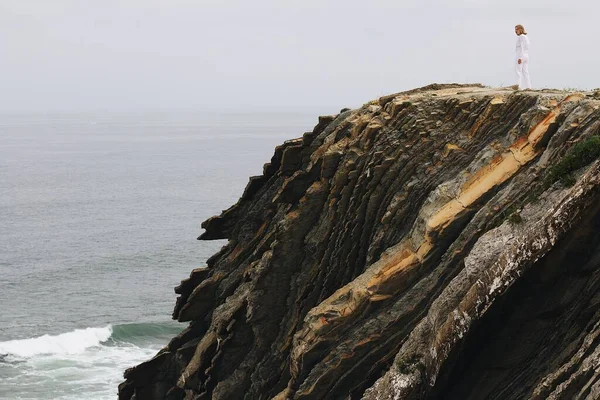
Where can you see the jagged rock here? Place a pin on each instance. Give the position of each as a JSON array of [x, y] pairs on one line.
[[436, 243]]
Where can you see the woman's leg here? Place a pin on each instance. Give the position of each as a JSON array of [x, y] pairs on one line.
[[525, 74], [519, 72]]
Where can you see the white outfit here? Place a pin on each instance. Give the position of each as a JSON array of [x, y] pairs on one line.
[[523, 79]]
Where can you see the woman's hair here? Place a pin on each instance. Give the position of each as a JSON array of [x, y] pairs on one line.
[[522, 28]]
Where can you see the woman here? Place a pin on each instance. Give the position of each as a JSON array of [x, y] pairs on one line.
[[522, 66]]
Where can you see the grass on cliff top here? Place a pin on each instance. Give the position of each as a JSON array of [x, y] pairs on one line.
[[578, 156]]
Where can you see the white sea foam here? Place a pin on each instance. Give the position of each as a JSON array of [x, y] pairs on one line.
[[62, 367], [73, 342]]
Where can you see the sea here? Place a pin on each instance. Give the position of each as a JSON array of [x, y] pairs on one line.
[[99, 218]]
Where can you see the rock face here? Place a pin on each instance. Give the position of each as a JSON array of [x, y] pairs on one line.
[[437, 243]]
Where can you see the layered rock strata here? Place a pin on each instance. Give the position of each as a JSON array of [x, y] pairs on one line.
[[436, 243]]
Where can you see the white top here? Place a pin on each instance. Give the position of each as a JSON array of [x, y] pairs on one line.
[[522, 47]]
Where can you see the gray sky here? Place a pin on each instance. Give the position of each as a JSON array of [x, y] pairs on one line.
[[171, 54]]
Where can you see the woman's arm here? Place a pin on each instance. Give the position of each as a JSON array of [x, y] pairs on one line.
[[523, 48]]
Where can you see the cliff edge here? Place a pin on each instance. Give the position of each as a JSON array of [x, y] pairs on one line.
[[437, 243]]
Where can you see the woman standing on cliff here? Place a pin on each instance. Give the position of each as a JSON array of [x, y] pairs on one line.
[[522, 66]]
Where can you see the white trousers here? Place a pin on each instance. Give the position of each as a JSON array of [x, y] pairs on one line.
[[523, 79]]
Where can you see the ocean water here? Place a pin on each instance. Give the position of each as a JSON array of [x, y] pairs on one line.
[[99, 215]]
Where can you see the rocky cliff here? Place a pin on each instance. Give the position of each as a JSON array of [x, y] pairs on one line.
[[437, 243]]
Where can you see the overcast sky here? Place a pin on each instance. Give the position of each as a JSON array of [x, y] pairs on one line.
[[194, 54]]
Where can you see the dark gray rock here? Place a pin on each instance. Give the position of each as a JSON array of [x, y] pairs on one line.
[[410, 249]]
